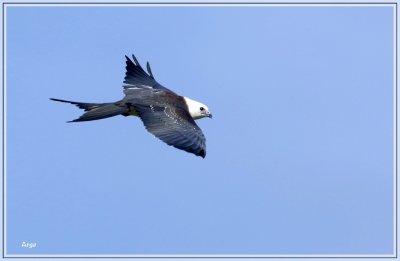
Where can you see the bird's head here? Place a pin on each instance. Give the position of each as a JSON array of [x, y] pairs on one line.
[[197, 109]]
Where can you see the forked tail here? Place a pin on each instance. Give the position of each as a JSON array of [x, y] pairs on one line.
[[96, 111]]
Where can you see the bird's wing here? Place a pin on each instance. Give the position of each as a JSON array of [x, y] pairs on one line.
[[136, 78], [173, 124]]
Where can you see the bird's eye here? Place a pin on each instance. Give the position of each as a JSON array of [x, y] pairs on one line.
[[201, 108]]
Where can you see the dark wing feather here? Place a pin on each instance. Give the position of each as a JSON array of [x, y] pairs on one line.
[[174, 126], [137, 78]]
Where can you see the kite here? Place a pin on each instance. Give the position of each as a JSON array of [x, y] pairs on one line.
[[165, 114]]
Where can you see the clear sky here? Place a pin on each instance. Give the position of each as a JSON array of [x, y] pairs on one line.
[[299, 152]]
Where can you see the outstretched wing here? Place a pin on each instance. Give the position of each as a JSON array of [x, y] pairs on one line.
[[173, 125], [137, 78]]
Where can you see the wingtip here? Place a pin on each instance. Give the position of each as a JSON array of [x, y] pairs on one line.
[[129, 61], [135, 60], [149, 70], [202, 154]]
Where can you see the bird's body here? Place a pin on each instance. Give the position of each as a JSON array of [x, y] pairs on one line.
[[167, 115]]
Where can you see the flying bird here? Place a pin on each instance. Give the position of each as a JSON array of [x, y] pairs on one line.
[[165, 114]]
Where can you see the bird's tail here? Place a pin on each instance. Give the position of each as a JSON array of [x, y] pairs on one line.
[[97, 111]]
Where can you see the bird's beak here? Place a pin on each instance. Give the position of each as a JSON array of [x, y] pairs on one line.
[[209, 115]]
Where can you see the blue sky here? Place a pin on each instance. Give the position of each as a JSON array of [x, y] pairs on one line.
[[299, 152]]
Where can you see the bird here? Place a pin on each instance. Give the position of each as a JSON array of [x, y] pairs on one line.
[[165, 114]]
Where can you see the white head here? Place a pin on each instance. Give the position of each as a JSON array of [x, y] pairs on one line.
[[196, 109]]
